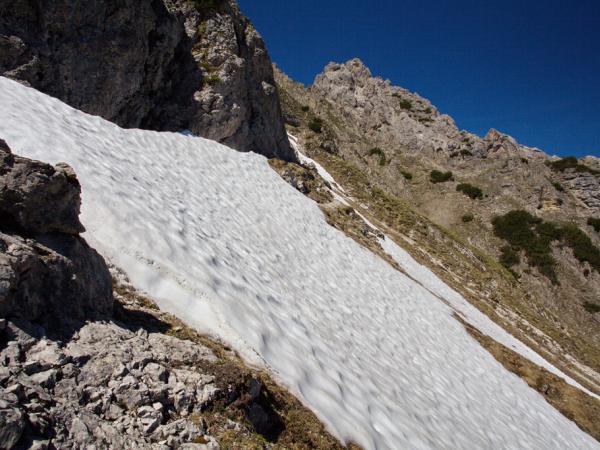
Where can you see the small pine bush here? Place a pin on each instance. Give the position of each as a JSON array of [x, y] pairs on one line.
[[571, 162], [212, 79], [558, 187], [525, 232], [440, 177], [468, 218], [594, 223], [316, 125], [520, 230], [470, 191], [405, 104], [305, 108], [583, 247], [407, 175], [509, 257], [591, 307], [380, 153]]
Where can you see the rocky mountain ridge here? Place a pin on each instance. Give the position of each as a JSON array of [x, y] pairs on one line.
[[408, 166], [164, 65]]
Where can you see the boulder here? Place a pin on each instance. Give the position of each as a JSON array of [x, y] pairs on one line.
[[36, 198], [48, 274]]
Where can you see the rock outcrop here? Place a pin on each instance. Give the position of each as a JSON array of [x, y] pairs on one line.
[[161, 64], [88, 363], [108, 387], [48, 274], [37, 198]]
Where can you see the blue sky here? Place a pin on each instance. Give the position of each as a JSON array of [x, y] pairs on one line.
[[528, 68]]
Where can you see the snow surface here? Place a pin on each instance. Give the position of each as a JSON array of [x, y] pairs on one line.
[[221, 241], [437, 287], [471, 314]]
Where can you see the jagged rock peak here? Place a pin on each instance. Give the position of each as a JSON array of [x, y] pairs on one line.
[[354, 66], [498, 141]]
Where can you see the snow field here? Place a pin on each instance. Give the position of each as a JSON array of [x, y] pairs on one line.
[[217, 238]]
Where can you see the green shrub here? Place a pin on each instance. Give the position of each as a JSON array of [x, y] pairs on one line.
[[212, 79], [591, 307], [535, 237], [467, 218], [316, 125], [440, 177], [583, 247], [571, 162], [305, 108], [428, 111], [509, 257], [205, 6], [558, 187], [524, 160], [405, 104], [595, 223], [407, 175], [523, 232], [380, 153], [470, 191]]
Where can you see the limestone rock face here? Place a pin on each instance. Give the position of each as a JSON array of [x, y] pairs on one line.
[[107, 387], [395, 117], [55, 280], [159, 64], [36, 197], [390, 115], [585, 187], [48, 274]]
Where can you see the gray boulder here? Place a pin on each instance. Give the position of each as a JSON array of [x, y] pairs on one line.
[[37, 198], [48, 274]]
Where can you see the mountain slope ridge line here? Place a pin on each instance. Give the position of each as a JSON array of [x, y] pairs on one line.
[[300, 293]]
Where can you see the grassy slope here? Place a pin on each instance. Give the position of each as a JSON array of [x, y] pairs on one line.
[[468, 268]]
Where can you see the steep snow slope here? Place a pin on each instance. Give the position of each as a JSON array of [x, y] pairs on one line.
[[220, 240], [438, 288]]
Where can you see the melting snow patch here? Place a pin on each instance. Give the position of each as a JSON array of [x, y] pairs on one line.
[[221, 241]]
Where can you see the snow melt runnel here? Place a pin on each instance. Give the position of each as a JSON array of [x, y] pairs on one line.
[[221, 241]]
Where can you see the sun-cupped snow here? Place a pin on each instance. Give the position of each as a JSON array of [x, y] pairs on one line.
[[219, 239], [437, 287], [471, 314]]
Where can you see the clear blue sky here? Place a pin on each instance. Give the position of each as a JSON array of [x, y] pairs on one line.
[[528, 68]]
